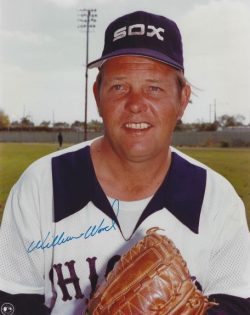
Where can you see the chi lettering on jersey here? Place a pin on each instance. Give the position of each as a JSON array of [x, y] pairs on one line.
[[66, 275], [139, 30]]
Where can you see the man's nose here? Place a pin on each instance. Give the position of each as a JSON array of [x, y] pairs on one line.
[[136, 103]]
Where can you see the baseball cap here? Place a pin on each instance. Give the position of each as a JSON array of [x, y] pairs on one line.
[[143, 34]]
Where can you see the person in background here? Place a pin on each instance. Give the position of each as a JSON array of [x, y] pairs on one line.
[[60, 139]]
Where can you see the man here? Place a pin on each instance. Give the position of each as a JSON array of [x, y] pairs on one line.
[[60, 139], [73, 213]]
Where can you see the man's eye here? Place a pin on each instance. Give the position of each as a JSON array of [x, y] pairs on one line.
[[117, 87]]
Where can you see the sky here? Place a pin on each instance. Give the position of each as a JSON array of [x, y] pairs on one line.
[[43, 55]]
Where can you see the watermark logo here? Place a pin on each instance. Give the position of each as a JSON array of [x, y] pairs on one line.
[[7, 309]]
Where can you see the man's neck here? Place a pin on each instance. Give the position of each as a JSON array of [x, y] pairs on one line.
[[125, 179]]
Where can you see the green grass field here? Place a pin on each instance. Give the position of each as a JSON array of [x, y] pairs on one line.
[[234, 164]]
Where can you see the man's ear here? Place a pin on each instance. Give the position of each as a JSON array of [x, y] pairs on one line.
[[96, 91], [185, 96]]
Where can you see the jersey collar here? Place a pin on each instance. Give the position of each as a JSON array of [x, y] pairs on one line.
[[75, 185]]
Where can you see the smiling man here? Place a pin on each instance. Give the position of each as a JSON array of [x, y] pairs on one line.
[[72, 214], [140, 102]]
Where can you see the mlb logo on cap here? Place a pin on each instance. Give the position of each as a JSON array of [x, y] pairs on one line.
[[143, 34], [139, 30]]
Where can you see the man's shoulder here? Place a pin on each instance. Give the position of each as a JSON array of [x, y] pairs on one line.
[[210, 171], [216, 183], [41, 168], [221, 200], [188, 158]]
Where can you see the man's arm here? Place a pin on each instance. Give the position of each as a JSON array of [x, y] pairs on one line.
[[229, 305], [21, 273], [228, 275], [23, 304]]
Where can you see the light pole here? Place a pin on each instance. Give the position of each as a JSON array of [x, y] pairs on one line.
[[88, 18]]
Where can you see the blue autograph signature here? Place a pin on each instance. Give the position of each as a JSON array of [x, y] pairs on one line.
[[59, 239]]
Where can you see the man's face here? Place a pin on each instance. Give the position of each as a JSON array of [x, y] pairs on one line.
[[139, 101]]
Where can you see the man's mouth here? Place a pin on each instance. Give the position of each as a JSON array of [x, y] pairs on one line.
[[138, 126]]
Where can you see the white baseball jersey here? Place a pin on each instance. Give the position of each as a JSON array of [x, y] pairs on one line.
[[60, 233]]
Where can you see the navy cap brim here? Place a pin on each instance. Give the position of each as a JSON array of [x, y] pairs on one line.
[[144, 52]]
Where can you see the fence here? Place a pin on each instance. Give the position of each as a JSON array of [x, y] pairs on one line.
[[189, 138]]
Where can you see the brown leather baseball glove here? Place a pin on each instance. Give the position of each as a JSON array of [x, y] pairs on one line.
[[150, 279]]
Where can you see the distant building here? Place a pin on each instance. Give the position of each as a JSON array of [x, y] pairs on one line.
[[236, 128]]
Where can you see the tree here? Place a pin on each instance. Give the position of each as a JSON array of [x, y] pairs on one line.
[[231, 121], [77, 124], [240, 119], [45, 123], [4, 120], [15, 124], [26, 122], [207, 126], [61, 125], [95, 125]]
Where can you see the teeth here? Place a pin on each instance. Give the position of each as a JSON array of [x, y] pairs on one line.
[[137, 125]]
